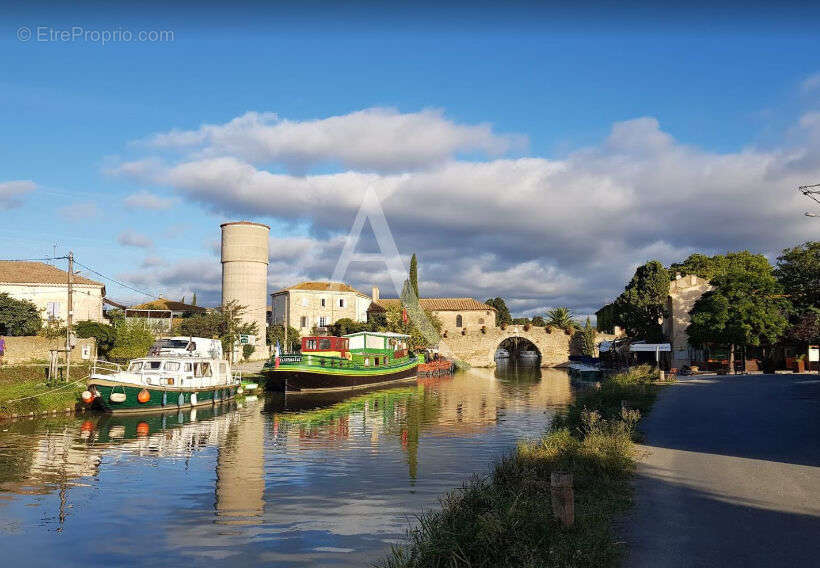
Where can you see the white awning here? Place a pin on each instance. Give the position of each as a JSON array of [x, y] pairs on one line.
[[651, 347]]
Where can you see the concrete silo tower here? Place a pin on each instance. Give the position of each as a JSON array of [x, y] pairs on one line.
[[245, 273]]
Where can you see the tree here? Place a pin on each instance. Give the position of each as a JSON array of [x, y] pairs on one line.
[[562, 318], [421, 325], [502, 313], [224, 323], [539, 321], [414, 274], [277, 333], [343, 326], [104, 334], [707, 267], [641, 307], [806, 329], [134, 339], [193, 301], [746, 306], [207, 325], [798, 271], [588, 339], [18, 317]]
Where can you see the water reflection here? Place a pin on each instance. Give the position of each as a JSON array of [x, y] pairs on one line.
[[293, 481]]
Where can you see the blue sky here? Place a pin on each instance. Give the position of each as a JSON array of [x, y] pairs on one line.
[[549, 86]]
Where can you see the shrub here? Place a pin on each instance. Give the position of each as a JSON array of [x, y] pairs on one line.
[[134, 339], [104, 334], [247, 351], [18, 317]]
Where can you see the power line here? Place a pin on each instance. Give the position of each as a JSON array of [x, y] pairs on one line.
[[119, 282]]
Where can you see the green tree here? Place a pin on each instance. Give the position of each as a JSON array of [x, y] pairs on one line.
[[18, 317], [588, 339], [277, 333], [193, 301], [562, 318], [225, 323], [539, 321], [641, 307], [104, 334], [207, 325], [421, 325], [134, 339], [343, 326], [746, 306], [706, 267], [414, 274], [798, 271], [502, 313]]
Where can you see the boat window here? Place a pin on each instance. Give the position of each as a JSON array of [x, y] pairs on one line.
[[376, 359], [324, 344], [206, 369], [189, 367], [152, 365], [173, 343], [172, 366], [310, 344], [135, 366]]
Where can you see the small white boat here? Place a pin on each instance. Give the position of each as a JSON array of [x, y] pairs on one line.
[[502, 353]]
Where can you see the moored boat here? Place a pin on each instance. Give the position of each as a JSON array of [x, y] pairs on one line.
[[354, 361], [178, 372]]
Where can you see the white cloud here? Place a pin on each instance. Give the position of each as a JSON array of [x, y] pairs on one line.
[[79, 211], [130, 238], [12, 192], [146, 200], [541, 231], [810, 83], [379, 139], [153, 261]]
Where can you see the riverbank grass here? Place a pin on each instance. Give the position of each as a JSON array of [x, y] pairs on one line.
[[28, 382], [505, 519]]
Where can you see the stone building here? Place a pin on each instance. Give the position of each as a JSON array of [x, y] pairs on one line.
[[456, 314], [684, 291], [46, 287], [319, 304]]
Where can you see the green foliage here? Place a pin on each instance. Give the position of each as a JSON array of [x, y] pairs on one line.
[[104, 334], [746, 307], [193, 300], [589, 335], [562, 318], [224, 323], [501, 520], [208, 325], [606, 318], [706, 267], [134, 339], [18, 317], [539, 321], [502, 313], [806, 329], [414, 274], [344, 326], [277, 333], [422, 326], [53, 329], [643, 302], [247, 351], [520, 321], [798, 271]]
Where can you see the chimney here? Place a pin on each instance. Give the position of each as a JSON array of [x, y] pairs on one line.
[[375, 293]]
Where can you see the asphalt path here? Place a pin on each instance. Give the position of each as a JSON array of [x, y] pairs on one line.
[[729, 475]]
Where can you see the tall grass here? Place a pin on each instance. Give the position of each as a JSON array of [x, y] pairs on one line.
[[29, 383], [505, 519]]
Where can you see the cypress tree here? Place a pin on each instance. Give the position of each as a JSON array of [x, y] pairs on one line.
[[414, 274]]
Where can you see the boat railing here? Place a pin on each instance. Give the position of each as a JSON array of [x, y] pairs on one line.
[[236, 376], [102, 367]]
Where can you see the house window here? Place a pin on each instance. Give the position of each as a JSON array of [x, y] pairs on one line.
[[303, 321], [53, 310], [459, 321], [323, 321], [341, 302], [324, 302]]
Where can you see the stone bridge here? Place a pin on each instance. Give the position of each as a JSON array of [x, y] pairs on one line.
[[478, 349]]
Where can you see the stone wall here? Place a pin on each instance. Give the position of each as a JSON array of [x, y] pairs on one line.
[[478, 349], [35, 348], [305, 306], [470, 319]]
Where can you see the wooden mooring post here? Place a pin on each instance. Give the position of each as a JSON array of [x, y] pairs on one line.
[[563, 497]]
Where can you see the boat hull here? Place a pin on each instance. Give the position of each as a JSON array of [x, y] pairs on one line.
[[304, 380], [159, 398]]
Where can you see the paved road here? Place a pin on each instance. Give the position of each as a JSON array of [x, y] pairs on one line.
[[730, 475]]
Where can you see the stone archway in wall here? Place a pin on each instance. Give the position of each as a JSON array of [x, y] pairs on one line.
[[520, 347]]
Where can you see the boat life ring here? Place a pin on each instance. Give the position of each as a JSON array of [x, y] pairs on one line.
[[193, 399], [240, 390], [87, 397], [143, 396]]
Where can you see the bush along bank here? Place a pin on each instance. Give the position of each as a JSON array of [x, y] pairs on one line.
[[23, 390], [505, 519]]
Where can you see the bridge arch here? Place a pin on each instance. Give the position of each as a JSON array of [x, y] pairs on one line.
[[519, 347]]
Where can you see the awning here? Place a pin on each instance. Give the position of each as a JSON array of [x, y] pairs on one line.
[[650, 347]]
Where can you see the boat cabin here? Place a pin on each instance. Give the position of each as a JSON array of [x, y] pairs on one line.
[[326, 345], [167, 371], [365, 348]]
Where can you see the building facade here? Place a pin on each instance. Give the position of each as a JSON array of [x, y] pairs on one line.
[[456, 314], [46, 287], [684, 291], [317, 304]]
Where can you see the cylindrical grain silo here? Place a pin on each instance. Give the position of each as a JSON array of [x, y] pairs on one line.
[[245, 274]]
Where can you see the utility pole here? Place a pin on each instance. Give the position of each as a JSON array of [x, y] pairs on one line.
[[69, 316], [286, 322], [811, 191]]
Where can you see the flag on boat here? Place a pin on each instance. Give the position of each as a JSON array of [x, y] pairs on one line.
[[276, 356]]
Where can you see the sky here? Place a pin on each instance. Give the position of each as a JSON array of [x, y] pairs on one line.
[[533, 152]]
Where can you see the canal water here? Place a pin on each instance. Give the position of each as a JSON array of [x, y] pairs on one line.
[[281, 481]]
